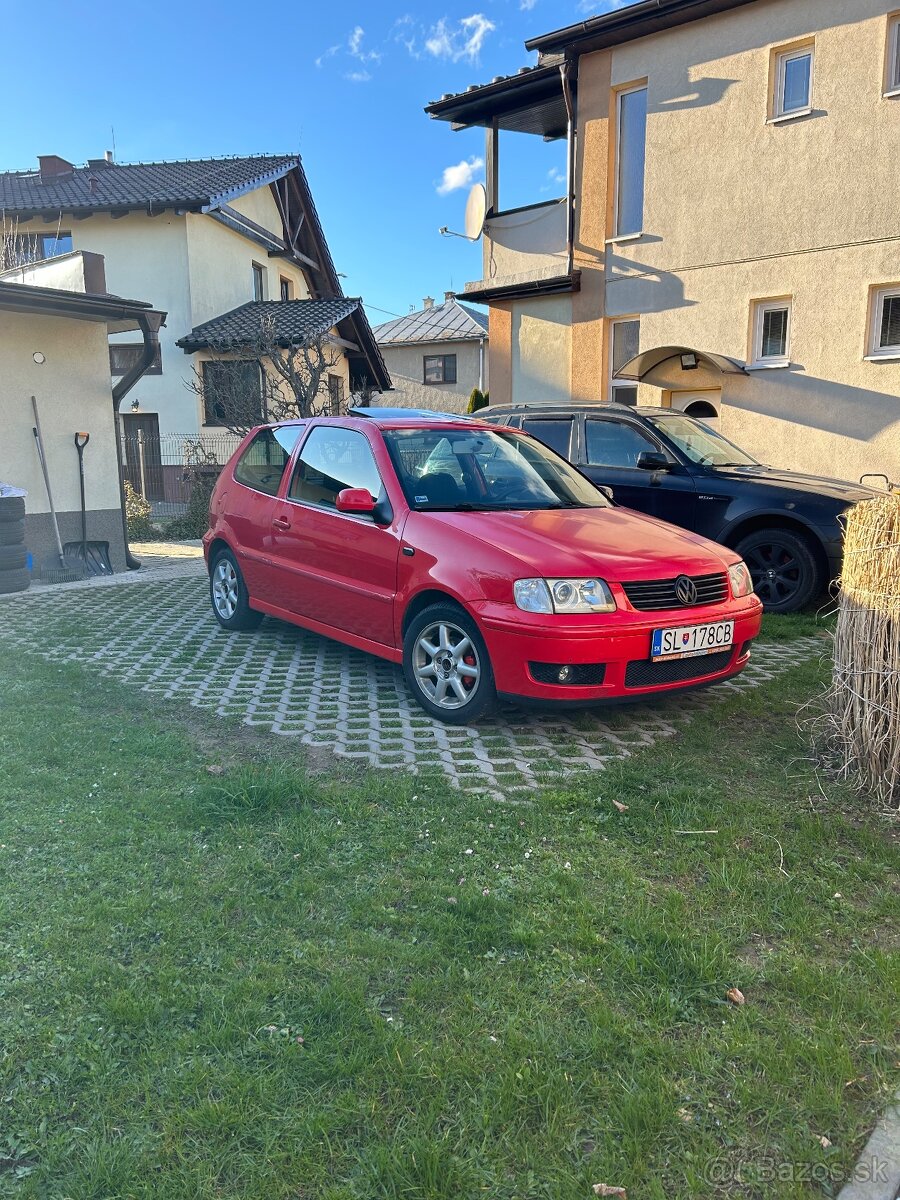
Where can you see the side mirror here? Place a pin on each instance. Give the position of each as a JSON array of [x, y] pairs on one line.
[[607, 492], [652, 460], [355, 500]]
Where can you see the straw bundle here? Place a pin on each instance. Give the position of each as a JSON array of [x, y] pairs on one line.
[[864, 699]]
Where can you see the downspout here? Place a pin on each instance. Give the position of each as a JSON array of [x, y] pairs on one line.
[[149, 323], [564, 72], [481, 365]]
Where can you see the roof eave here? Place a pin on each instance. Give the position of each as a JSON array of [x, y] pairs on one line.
[[556, 285], [627, 24]]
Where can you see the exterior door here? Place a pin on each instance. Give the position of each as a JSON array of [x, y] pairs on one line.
[[611, 449], [142, 453], [336, 568], [705, 405]]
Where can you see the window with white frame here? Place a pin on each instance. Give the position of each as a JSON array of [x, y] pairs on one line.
[[631, 138], [885, 340], [793, 81], [771, 333], [259, 281], [892, 79], [624, 341]]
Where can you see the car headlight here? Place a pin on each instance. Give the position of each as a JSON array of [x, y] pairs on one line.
[[563, 596], [740, 579]]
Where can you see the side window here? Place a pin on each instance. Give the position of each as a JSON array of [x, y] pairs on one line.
[[614, 443], [262, 464], [331, 460], [555, 432]]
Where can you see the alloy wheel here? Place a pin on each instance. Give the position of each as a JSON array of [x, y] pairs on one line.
[[777, 575], [225, 588], [446, 665]]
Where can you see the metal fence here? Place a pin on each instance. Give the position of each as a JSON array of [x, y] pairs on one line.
[[163, 467]]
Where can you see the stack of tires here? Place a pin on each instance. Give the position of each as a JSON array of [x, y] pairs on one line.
[[14, 573]]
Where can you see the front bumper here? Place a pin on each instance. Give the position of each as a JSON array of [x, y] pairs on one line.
[[619, 641]]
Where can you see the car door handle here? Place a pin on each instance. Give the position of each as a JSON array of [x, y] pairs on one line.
[[280, 523]]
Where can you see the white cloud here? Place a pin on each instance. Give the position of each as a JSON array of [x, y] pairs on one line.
[[527, 5], [592, 6], [329, 53], [353, 48], [464, 40], [459, 175], [554, 176], [358, 76]]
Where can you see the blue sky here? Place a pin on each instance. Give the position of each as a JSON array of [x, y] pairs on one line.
[[344, 84]]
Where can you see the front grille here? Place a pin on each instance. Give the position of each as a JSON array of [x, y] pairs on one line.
[[649, 594], [678, 670], [582, 674]]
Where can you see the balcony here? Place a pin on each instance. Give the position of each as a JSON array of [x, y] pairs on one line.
[[523, 246]]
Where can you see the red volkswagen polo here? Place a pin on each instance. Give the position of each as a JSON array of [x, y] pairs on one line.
[[475, 556]]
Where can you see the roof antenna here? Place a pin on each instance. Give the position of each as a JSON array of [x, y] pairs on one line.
[[112, 130]]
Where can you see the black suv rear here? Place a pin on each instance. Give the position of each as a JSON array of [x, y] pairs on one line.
[[657, 460]]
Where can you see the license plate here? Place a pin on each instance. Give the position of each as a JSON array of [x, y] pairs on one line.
[[689, 641]]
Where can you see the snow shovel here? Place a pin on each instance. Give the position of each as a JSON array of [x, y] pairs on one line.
[[57, 568], [92, 557]]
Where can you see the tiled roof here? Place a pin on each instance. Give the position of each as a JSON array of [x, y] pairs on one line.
[[102, 186], [447, 322], [292, 321]]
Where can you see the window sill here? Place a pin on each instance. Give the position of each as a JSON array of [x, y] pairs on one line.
[[891, 95], [777, 364], [790, 116], [624, 237], [888, 356]]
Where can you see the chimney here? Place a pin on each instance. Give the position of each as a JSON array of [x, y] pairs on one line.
[[428, 302], [100, 164], [108, 157], [449, 296], [53, 167]]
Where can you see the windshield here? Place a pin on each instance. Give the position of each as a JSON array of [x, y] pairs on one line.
[[458, 470], [701, 443]]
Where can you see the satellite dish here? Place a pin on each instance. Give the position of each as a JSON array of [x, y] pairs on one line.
[[476, 210]]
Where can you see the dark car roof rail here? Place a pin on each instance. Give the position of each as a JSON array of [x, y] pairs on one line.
[[563, 406]]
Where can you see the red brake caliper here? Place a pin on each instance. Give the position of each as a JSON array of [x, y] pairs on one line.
[[468, 682]]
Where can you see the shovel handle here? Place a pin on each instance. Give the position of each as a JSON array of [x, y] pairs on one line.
[[81, 440]]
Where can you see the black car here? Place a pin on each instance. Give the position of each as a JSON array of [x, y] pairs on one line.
[[785, 525]]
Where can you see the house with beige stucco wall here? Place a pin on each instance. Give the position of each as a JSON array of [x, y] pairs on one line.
[[56, 319], [436, 355], [728, 240], [218, 243]]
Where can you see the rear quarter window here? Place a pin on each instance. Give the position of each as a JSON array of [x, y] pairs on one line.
[[262, 464]]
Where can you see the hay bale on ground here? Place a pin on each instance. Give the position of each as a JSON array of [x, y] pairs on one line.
[[864, 698]]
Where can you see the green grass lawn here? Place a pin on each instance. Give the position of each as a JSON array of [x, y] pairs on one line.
[[255, 983]]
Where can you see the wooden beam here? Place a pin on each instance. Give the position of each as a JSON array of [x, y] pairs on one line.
[[491, 165], [122, 212]]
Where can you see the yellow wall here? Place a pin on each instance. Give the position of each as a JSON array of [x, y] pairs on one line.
[[404, 364], [737, 209], [541, 348], [73, 393]]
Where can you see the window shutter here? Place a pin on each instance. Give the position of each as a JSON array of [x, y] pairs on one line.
[[774, 333]]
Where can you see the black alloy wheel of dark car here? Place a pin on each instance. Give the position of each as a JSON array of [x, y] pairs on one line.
[[783, 568]]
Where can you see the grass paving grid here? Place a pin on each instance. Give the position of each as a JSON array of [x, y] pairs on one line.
[[297, 684]]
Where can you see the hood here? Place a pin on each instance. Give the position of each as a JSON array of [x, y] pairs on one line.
[[613, 543], [818, 485]]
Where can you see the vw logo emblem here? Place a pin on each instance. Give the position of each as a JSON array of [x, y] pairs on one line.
[[685, 590]]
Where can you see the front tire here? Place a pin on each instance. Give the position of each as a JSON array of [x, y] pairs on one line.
[[783, 568], [447, 667], [229, 596]]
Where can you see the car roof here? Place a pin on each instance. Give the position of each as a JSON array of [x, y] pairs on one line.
[[389, 418]]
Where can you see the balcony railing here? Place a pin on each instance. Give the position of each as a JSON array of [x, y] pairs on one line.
[[523, 245]]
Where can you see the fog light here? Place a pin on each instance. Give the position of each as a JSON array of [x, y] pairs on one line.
[[564, 674]]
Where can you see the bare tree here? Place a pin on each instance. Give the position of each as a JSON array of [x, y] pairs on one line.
[[19, 248], [270, 377]]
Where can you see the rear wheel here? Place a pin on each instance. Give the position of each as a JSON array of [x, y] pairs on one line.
[[446, 665], [783, 567], [229, 595]]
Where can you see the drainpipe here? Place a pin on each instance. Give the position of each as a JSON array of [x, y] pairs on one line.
[[149, 323], [564, 71], [481, 365]]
